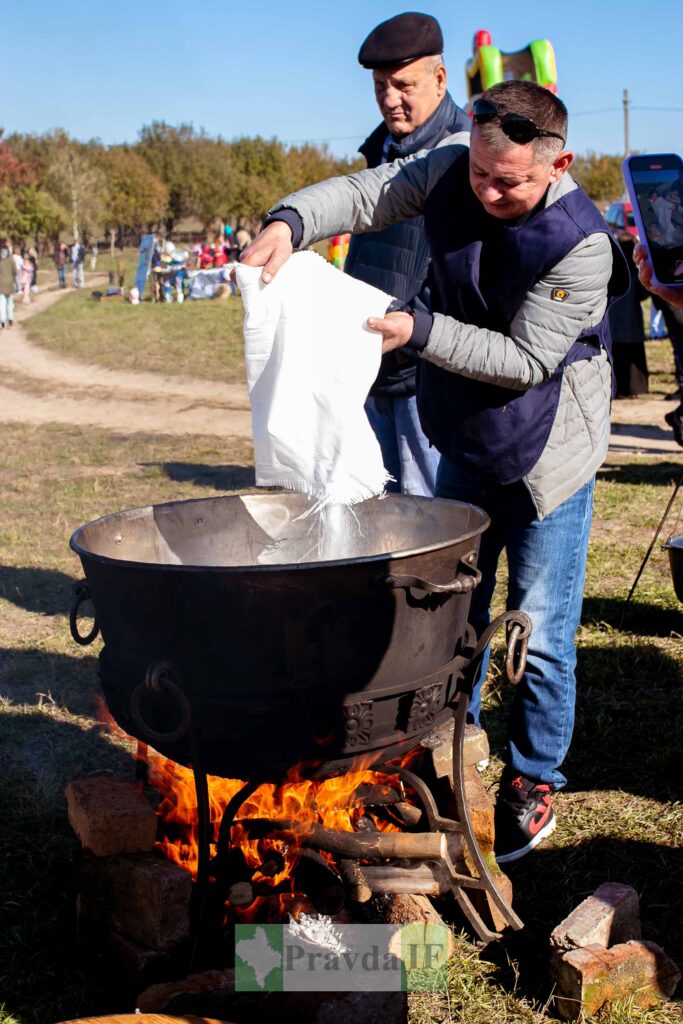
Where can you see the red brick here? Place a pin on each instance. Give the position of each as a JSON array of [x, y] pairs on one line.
[[143, 896], [111, 816], [480, 808], [589, 978], [610, 916]]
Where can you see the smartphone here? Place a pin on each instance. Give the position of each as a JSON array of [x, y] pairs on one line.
[[654, 183]]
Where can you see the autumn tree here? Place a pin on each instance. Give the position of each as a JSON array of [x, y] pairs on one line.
[[217, 185], [599, 175], [168, 151], [70, 174], [26, 209], [134, 198], [262, 174]]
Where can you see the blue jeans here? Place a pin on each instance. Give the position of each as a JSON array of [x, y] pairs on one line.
[[546, 574], [405, 450], [6, 308]]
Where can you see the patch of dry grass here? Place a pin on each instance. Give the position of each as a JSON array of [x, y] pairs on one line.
[[620, 818]]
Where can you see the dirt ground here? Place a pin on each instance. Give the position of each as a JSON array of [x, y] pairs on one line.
[[48, 388]]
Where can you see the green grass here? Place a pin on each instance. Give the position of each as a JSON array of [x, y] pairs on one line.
[[198, 339], [620, 818]]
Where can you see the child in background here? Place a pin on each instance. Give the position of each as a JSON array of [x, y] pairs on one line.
[[26, 278]]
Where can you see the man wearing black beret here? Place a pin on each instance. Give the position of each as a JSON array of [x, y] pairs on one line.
[[405, 57]]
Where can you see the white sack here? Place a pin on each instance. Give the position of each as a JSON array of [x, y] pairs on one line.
[[310, 364]]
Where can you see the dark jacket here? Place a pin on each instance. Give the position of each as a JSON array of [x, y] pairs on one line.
[[396, 259], [498, 431]]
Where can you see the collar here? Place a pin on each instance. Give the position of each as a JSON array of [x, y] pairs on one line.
[[436, 127]]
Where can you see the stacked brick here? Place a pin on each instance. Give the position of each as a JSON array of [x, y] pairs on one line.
[[131, 900], [599, 958]]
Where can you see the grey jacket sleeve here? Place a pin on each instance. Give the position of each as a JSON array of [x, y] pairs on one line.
[[541, 333], [373, 199]]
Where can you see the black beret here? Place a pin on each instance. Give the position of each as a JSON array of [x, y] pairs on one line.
[[401, 39]]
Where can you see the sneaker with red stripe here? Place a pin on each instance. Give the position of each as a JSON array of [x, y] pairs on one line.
[[524, 817]]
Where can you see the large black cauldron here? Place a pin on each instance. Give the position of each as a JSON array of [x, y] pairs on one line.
[[236, 631]]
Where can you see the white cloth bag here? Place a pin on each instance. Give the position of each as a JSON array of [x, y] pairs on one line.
[[311, 361]]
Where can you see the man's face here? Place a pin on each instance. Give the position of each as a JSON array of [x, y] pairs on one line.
[[408, 95], [511, 183]]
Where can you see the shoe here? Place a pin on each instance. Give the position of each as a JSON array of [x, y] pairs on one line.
[[524, 816], [675, 421]]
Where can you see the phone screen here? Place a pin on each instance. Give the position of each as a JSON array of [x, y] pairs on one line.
[[658, 184]]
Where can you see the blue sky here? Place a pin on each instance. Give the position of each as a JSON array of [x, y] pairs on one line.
[[289, 69]]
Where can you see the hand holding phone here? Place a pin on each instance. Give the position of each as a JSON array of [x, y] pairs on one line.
[[655, 187]]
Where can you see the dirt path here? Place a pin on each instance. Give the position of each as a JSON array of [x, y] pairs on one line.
[[127, 402]]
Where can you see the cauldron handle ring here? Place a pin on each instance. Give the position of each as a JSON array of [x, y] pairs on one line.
[[81, 594], [518, 645], [466, 579], [159, 679], [518, 632]]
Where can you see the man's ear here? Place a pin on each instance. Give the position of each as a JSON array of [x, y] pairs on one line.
[[561, 164], [440, 75]]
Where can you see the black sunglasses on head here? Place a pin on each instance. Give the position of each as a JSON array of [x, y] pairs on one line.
[[517, 127]]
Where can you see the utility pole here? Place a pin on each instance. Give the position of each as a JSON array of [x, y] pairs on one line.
[[627, 145]]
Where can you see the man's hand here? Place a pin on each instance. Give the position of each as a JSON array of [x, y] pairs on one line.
[[641, 259], [270, 249], [396, 330]]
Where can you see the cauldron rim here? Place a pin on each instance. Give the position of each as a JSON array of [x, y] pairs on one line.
[[266, 568]]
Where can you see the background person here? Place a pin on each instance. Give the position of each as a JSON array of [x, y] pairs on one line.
[[61, 258], [670, 301], [409, 78], [18, 261], [77, 256], [514, 382], [8, 279], [25, 278], [628, 335]]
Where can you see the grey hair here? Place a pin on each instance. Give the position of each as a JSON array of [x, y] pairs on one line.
[[434, 61], [546, 150]]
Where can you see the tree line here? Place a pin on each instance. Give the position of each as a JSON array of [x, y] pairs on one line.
[[52, 184]]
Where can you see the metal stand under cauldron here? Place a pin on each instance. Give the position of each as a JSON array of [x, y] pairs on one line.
[[338, 671]]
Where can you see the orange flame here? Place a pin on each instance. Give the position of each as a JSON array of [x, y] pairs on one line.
[[333, 802]]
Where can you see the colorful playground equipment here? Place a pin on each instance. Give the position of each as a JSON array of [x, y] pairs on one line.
[[337, 249], [489, 65]]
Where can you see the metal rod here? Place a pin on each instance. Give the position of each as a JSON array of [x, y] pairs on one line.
[[649, 550], [460, 714]]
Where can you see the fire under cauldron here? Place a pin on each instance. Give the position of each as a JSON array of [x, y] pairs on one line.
[[243, 637], [222, 628]]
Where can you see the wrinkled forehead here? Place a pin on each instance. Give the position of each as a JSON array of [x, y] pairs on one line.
[[410, 72], [520, 159]]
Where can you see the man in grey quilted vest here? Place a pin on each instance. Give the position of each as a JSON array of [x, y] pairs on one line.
[[514, 382]]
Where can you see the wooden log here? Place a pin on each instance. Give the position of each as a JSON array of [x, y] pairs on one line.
[[409, 814], [409, 909], [418, 879], [359, 845], [241, 894], [377, 795], [314, 877], [272, 864], [355, 881]]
